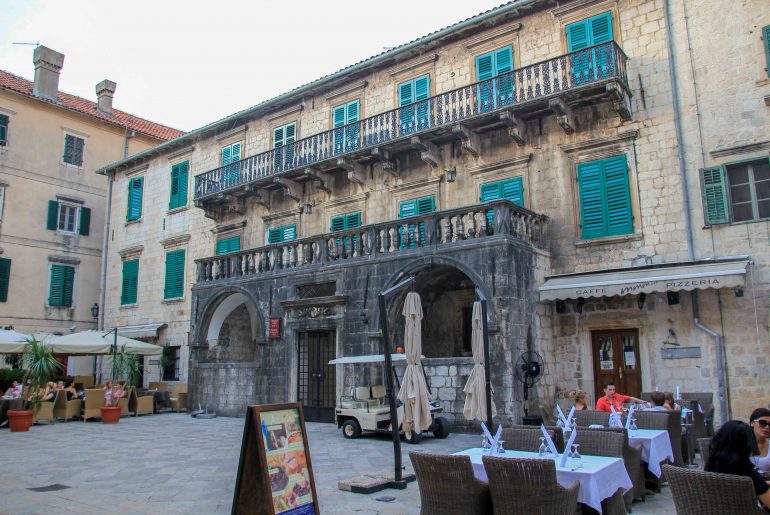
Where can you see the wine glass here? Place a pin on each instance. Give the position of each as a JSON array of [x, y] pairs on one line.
[[484, 443], [543, 448], [577, 459]]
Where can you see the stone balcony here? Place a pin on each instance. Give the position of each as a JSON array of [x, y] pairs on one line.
[[415, 236], [555, 86]]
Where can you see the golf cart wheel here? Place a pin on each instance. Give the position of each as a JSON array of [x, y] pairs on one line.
[[442, 431], [415, 438], [351, 428]]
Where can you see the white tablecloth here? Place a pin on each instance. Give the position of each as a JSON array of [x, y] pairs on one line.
[[599, 477], [656, 447]]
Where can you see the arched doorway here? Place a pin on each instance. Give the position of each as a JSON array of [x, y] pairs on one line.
[[233, 330]]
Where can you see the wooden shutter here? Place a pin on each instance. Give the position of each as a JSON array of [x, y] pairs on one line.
[[578, 35], [85, 221], [134, 198], [68, 148], [275, 235], [766, 41], [3, 129], [407, 208], [130, 282], [235, 154], [490, 191], [278, 137], [422, 88], [513, 190], [339, 116], [600, 29], [53, 215], [338, 223], [289, 233], [353, 220], [485, 66], [503, 60], [228, 245], [227, 154], [426, 205], [618, 196], [5, 278], [62, 283], [592, 204], [406, 93], [716, 208], [353, 111], [69, 285], [174, 284], [179, 179]]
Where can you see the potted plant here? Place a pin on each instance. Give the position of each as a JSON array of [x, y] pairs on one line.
[[39, 367], [125, 367]]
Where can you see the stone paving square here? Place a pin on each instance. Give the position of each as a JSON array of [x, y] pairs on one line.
[[173, 463]]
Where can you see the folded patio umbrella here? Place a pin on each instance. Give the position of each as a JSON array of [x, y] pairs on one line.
[[98, 342], [12, 342], [475, 389], [414, 390]]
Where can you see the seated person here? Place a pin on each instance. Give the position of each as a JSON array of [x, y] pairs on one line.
[[119, 392], [729, 453], [658, 401], [108, 388], [760, 423], [14, 391], [611, 399], [70, 390], [49, 394], [578, 398], [670, 404]]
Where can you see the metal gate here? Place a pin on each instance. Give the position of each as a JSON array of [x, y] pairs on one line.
[[315, 377]]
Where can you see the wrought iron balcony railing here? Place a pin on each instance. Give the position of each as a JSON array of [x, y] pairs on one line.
[[499, 217], [537, 82]]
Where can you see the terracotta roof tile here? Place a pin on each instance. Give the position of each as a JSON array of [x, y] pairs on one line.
[[89, 108]]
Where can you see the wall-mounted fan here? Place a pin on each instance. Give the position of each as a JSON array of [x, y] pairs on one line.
[[528, 370]]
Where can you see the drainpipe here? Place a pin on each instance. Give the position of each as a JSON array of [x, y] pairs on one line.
[[718, 344]]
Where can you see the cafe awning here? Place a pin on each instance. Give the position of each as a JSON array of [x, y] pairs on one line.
[[141, 331], [689, 275]]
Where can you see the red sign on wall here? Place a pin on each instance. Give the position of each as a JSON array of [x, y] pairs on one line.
[[274, 330]]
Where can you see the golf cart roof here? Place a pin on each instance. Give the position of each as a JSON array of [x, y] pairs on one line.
[[370, 358]]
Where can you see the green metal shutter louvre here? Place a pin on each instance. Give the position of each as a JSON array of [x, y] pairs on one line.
[[485, 70], [407, 208], [174, 283], [422, 92], [337, 223], [5, 278], [85, 221], [62, 283], [592, 202], [618, 196], [605, 198], [134, 199], [179, 179], [511, 189], [766, 41], [3, 129], [289, 233], [504, 65], [52, 222], [353, 220], [716, 208], [578, 36], [69, 286], [179, 279], [601, 29], [406, 113], [275, 235], [228, 245], [130, 282]]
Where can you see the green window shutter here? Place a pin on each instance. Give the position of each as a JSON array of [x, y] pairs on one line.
[[490, 191], [53, 215], [426, 205], [338, 223], [618, 196], [85, 221], [339, 116], [5, 278], [578, 36], [601, 28], [179, 179], [289, 233], [227, 153], [278, 137], [407, 208], [766, 41], [135, 187], [504, 60], [128, 294], [174, 284], [236, 153], [56, 287], [69, 284], [353, 220], [228, 245], [592, 204], [485, 66], [275, 235], [513, 190], [421, 88], [716, 209], [3, 129], [353, 109], [406, 93]]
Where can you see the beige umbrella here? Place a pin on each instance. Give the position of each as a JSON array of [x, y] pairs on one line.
[[12, 342], [475, 389], [414, 391], [98, 342]]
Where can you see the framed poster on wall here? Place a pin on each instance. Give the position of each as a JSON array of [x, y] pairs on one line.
[[275, 474]]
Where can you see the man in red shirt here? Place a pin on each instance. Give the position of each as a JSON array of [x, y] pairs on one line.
[[613, 399]]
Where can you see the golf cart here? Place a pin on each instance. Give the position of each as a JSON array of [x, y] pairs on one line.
[[368, 410]]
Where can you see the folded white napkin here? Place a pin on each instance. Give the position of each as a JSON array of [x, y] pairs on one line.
[[564, 456], [549, 441]]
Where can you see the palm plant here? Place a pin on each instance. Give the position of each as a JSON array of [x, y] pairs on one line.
[[125, 366], [39, 367]]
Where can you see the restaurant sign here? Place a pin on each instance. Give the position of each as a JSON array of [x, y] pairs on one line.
[[274, 330]]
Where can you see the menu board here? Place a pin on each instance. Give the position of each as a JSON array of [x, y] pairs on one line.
[[275, 475]]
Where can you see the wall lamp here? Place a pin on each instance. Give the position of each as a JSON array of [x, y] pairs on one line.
[[640, 300], [738, 291], [95, 310], [306, 209], [579, 305], [451, 174]]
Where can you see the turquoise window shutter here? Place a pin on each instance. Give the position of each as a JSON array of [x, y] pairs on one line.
[[716, 208], [353, 132], [415, 207], [593, 212], [228, 245], [618, 196], [504, 60], [179, 179], [62, 282], [346, 138], [174, 283], [283, 139], [227, 153], [179, 279], [85, 221], [485, 66], [337, 224], [490, 191], [513, 190], [339, 116], [68, 287], [766, 41], [494, 93], [504, 65], [3, 129], [130, 282], [605, 198], [275, 235], [407, 208], [426, 205], [5, 278], [236, 153], [353, 220], [53, 215], [290, 233], [578, 36], [601, 29], [135, 187], [278, 137], [510, 189], [590, 65]]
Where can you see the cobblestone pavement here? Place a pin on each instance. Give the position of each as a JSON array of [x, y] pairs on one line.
[[172, 463]]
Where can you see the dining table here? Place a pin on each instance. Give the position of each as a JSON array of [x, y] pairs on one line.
[[655, 445], [599, 476]]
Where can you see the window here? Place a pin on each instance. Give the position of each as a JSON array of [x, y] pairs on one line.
[[171, 370], [605, 198], [128, 293], [3, 129], [68, 217], [346, 138], [73, 150], [494, 93], [228, 245], [230, 156], [593, 64], [5, 278], [62, 282], [179, 179], [347, 221], [134, 210], [414, 207], [510, 189], [283, 143], [766, 44], [737, 192], [174, 285], [282, 234], [414, 115]]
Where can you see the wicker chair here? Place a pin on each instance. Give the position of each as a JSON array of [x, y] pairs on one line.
[[704, 447], [528, 486], [44, 412], [94, 401], [587, 417], [140, 405], [447, 485], [670, 421], [697, 492], [706, 401], [179, 397], [66, 409], [558, 435], [161, 386], [521, 439], [632, 459]]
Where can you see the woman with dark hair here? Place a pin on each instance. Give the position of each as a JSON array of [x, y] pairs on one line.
[[729, 453], [760, 423]]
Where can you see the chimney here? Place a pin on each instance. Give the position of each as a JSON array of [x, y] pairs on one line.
[[48, 64], [104, 90]]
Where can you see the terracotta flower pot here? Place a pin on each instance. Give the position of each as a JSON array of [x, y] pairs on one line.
[[110, 414], [20, 420]]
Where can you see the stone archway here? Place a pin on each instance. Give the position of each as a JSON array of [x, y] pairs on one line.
[[231, 329]]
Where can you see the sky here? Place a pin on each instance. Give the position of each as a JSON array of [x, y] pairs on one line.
[[188, 63]]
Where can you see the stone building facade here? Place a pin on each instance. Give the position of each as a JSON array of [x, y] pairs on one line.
[[52, 204], [547, 156]]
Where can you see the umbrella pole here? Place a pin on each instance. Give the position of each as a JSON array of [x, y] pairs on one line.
[[398, 481]]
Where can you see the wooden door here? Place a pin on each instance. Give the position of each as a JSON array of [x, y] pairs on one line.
[[616, 359]]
